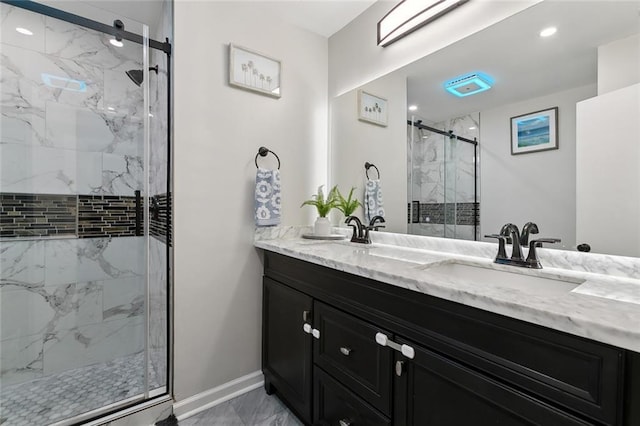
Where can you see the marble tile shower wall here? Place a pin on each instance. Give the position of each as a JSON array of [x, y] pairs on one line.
[[83, 140], [66, 303]]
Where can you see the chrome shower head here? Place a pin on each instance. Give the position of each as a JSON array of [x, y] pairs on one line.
[[137, 76]]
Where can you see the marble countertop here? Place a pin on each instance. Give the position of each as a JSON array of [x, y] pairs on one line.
[[602, 306]]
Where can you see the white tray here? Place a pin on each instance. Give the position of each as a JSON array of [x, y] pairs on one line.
[[324, 237]]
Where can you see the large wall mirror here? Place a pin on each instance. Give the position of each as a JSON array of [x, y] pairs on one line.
[[435, 182]]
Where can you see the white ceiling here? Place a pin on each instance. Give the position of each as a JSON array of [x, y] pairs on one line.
[[523, 64], [324, 17]]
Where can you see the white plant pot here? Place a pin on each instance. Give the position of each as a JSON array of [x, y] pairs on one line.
[[322, 226]]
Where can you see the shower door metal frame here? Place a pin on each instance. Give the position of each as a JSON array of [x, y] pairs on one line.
[[116, 410]]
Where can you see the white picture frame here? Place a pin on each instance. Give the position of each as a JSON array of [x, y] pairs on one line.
[[372, 109], [254, 71]]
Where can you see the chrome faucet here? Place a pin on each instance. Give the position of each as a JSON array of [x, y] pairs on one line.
[[509, 233]]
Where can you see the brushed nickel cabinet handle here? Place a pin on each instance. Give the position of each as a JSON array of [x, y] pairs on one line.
[[399, 368], [345, 351], [345, 422]]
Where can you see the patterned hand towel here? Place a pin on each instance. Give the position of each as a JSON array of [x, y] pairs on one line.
[[267, 202], [373, 200]]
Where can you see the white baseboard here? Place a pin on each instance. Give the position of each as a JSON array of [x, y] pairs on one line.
[[212, 397]]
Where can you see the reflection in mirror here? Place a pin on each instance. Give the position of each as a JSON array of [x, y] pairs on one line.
[[573, 193]]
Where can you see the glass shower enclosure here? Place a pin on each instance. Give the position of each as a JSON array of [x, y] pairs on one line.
[[84, 228], [442, 182]]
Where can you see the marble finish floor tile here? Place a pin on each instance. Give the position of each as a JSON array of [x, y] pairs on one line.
[[254, 408], [61, 396]]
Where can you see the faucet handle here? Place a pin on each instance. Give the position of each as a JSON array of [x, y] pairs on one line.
[[502, 252], [532, 258], [538, 241]]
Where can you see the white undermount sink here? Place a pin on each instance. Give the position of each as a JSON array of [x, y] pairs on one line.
[[484, 276]]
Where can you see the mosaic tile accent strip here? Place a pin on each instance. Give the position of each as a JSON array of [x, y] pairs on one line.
[[441, 213], [160, 218], [82, 216], [37, 215], [73, 392], [107, 216]]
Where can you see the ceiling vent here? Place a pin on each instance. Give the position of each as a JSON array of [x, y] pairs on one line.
[[469, 84]]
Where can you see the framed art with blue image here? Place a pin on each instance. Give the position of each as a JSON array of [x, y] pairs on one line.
[[534, 132]]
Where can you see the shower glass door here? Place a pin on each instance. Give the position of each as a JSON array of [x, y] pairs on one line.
[[443, 178], [74, 240]]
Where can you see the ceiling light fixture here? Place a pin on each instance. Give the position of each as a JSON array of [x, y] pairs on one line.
[[116, 43], [409, 15], [413, 107], [24, 31], [547, 32]]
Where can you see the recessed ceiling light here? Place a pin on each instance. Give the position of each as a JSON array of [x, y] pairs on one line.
[[116, 43], [547, 32], [24, 31], [111, 108], [472, 128], [413, 107]]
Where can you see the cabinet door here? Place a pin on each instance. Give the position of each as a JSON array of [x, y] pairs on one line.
[[286, 347], [431, 390]]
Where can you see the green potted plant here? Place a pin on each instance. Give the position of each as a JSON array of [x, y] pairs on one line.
[[324, 205], [347, 205]]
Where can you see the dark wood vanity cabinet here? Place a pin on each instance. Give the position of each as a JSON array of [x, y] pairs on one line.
[[435, 390], [286, 348], [445, 364]]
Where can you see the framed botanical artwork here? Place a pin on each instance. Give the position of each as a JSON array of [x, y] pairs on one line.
[[254, 71], [372, 109], [533, 132]]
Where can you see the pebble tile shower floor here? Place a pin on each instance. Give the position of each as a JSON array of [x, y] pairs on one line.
[[67, 394]]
